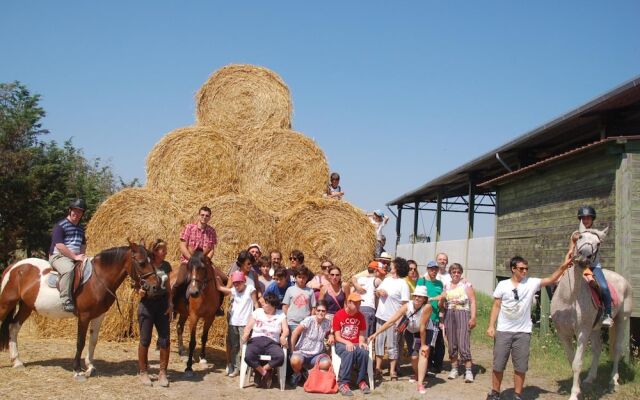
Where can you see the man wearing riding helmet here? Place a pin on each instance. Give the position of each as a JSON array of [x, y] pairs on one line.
[[68, 244], [587, 215]]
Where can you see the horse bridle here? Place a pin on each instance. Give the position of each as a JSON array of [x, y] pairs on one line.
[[594, 251], [202, 284]]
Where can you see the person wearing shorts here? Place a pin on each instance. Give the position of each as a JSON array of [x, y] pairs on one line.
[[512, 301], [307, 341]]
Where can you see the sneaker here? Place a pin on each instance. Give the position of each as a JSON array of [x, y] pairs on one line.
[[345, 390], [421, 389], [493, 395], [364, 388], [413, 379], [295, 379], [453, 374], [233, 373], [517, 396], [68, 306], [607, 321], [468, 376]]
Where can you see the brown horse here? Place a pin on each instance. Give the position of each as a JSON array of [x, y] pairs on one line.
[[24, 286], [203, 302]]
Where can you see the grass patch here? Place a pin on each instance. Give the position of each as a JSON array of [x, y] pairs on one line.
[[547, 358]]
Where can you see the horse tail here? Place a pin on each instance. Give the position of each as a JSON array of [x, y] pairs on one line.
[[4, 328]]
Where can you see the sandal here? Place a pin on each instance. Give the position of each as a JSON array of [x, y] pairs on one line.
[[393, 377]]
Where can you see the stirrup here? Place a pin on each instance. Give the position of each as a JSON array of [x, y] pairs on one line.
[[68, 306]]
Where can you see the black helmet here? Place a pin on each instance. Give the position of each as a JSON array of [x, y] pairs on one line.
[[79, 204], [586, 211]]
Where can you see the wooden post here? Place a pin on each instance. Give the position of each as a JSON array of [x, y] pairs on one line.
[[545, 305]]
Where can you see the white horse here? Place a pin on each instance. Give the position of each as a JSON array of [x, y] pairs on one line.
[[574, 314]]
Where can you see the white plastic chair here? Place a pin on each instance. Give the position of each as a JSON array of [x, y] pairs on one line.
[[245, 371], [335, 362]]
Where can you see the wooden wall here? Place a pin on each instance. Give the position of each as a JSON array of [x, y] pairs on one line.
[[537, 211]]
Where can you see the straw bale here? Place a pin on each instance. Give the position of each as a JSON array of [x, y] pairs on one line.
[[280, 167], [327, 229], [244, 98], [193, 164]]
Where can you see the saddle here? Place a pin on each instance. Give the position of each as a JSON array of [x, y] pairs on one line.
[[81, 274], [596, 296]]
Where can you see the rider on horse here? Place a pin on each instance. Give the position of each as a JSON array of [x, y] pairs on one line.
[[587, 215], [68, 244]]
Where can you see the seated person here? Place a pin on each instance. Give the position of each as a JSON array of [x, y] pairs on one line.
[[269, 336], [308, 343], [351, 346]]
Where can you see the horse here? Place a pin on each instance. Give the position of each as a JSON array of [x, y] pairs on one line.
[[24, 287], [574, 313], [203, 302]]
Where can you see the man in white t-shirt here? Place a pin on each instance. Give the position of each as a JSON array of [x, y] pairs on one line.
[[392, 293], [512, 301], [442, 259]]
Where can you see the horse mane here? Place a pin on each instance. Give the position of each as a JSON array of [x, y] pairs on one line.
[[113, 255]]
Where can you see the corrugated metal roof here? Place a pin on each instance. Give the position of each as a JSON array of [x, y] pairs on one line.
[[572, 130]]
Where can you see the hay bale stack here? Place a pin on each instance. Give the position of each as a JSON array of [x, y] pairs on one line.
[[244, 99], [279, 168], [326, 229], [238, 222], [193, 164]]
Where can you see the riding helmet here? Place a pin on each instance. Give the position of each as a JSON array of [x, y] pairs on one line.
[[79, 204], [586, 211]]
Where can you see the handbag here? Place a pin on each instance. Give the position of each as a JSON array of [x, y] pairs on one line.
[[404, 322], [320, 381]]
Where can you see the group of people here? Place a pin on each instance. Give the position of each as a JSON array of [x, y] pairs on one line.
[[388, 305]]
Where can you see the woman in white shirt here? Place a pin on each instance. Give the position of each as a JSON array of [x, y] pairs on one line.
[[269, 331]]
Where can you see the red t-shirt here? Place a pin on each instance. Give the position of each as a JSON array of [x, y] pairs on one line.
[[349, 326]]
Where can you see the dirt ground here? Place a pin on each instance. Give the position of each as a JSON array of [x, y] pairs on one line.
[[48, 375]]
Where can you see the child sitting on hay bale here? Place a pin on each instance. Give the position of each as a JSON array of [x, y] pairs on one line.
[[334, 190]]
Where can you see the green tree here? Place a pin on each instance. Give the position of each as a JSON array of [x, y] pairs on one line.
[[38, 179]]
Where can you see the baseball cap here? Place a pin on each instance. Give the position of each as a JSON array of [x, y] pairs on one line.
[[379, 213], [353, 296], [432, 264], [238, 276]]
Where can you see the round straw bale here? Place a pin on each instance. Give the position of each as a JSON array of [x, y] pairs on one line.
[[280, 167], [244, 98], [238, 222], [326, 229], [193, 164]]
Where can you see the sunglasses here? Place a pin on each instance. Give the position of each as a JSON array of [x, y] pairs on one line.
[[334, 274], [293, 258], [522, 269], [515, 294]]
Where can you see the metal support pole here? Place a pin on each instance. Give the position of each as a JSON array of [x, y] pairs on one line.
[[438, 217], [398, 226], [471, 211], [415, 221]]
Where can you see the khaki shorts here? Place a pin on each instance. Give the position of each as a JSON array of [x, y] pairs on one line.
[[515, 344]]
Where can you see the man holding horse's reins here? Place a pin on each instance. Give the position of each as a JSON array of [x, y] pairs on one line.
[[68, 244], [587, 215]]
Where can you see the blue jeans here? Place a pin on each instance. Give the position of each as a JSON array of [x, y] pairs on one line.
[[348, 359], [604, 288]]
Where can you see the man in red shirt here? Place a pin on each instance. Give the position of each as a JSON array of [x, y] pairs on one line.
[[350, 328], [198, 235]]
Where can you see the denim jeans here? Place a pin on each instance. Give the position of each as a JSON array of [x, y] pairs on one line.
[[349, 359], [604, 288]]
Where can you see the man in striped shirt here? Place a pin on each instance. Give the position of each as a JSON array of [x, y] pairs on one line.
[[68, 244]]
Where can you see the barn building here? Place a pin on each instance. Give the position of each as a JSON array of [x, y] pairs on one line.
[[534, 185]]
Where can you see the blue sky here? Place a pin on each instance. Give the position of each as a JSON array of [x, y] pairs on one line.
[[395, 93]]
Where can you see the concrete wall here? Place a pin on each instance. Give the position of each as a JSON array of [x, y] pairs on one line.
[[478, 263]]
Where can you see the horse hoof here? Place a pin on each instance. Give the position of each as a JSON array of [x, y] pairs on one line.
[[203, 361], [79, 377], [18, 364], [90, 372], [188, 374]]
